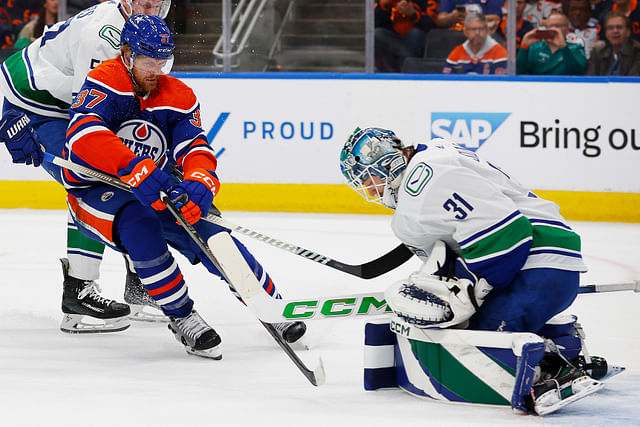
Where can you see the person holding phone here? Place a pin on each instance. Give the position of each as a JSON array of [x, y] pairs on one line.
[[546, 51], [451, 13]]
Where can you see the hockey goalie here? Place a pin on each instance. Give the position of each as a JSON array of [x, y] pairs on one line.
[[479, 321]]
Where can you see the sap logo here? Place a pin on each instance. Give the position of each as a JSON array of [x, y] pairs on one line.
[[213, 132], [470, 130]]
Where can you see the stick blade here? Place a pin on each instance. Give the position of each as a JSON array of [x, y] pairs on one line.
[[319, 377]]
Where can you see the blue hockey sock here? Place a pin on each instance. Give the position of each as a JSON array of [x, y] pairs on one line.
[[140, 232]]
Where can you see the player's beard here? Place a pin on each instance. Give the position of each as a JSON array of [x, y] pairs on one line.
[[149, 85], [145, 83]]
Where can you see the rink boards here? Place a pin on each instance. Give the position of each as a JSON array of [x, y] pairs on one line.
[[278, 137]]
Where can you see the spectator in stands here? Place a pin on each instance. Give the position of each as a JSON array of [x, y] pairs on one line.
[[47, 15], [522, 26], [538, 11], [583, 29], [401, 29], [479, 54], [493, 22], [620, 56], [630, 9], [14, 14], [452, 13], [546, 51]]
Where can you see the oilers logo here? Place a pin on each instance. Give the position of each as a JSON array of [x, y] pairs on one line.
[[144, 139]]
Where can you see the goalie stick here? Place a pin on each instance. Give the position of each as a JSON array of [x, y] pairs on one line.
[[371, 303], [611, 287], [369, 270]]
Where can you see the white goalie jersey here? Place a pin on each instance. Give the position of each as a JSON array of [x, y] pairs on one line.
[[449, 193], [45, 76]]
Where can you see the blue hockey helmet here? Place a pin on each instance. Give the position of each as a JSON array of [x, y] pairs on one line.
[[148, 35], [373, 163]]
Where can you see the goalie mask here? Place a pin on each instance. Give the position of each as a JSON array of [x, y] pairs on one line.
[[373, 163], [145, 7]]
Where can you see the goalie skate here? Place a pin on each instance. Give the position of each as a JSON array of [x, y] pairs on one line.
[[143, 307], [556, 393], [86, 311], [196, 335]]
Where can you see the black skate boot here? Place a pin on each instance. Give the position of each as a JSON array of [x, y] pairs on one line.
[[143, 307], [80, 299], [290, 331], [560, 384], [196, 335]]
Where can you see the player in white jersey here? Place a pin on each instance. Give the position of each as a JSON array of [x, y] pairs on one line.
[[39, 83], [498, 258], [526, 255]]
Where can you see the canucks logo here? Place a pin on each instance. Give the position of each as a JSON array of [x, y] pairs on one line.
[[470, 130], [144, 139]]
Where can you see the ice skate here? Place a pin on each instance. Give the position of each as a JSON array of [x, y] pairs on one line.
[[86, 311], [143, 307], [292, 333], [196, 335], [557, 389]]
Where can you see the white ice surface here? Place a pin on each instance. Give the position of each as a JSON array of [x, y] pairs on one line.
[[142, 376]]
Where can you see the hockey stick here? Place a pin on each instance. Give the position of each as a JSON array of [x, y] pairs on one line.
[[372, 303], [316, 376], [611, 287], [369, 270]]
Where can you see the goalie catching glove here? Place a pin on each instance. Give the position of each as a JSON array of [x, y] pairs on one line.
[[199, 186], [426, 300]]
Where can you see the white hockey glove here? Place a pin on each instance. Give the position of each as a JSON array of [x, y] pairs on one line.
[[429, 301]]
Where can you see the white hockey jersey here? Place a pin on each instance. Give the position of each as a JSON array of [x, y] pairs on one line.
[[45, 76], [449, 193]]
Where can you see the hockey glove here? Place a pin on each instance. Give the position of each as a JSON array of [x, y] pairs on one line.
[[21, 139], [146, 181], [200, 186], [477, 289], [427, 300]]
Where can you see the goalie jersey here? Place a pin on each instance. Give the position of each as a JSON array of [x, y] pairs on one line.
[[449, 193], [110, 125], [45, 76]]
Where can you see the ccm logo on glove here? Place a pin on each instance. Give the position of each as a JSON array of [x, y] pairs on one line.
[[138, 176], [146, 181], [206, 179]]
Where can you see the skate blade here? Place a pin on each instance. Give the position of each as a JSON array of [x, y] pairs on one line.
[[78, 324], [587, 386], [612, 371], [213, 353], [139, 314]]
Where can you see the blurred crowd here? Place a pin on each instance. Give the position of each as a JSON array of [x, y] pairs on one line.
[[23, 21], [567, 37], [553, 37]]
